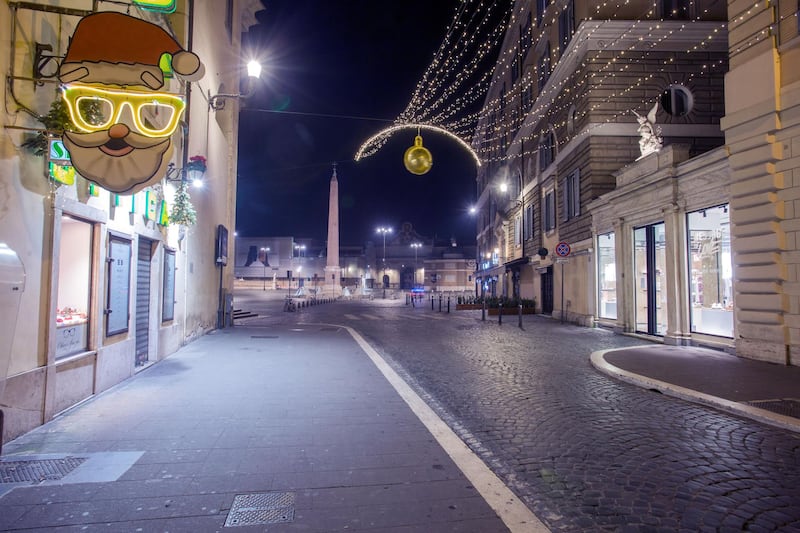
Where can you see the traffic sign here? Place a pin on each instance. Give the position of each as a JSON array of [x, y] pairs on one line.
[[563, 249]]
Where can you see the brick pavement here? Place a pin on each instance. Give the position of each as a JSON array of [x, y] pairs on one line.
[[584, 451], [279, 412]]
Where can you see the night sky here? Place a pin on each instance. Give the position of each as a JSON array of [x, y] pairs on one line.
[[359, 58]]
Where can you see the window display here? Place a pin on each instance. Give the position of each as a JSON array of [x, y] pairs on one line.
[[710, 271], [74, 282], [606, 276]]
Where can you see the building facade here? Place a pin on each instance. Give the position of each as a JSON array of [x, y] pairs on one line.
[[408, 261], [110, 284], [583, 96], [762, 132]]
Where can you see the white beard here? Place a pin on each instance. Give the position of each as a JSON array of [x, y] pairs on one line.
[[124, 174]]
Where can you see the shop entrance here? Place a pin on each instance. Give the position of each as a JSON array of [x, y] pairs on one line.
[[143, 265], [649, 263], [546, 279]]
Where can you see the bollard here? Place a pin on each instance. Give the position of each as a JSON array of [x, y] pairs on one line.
[[500, 314], [520, 316], [431, 302], [448, 304], [440, 303], [483, 311], [406, 299]]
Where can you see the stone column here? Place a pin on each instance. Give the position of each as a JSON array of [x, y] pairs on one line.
[[333, 272], [761, 123]]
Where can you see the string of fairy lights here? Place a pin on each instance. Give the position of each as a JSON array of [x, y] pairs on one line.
[[543, 102], [544, 105], [448, 90]]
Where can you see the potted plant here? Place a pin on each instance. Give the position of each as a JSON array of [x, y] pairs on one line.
[[197, 162]]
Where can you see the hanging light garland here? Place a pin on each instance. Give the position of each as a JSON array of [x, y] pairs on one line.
[[448, 87]]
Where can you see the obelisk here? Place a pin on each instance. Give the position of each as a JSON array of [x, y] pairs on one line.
[[333, 272]]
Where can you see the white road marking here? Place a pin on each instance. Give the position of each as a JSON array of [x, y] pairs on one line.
[[514, 514]]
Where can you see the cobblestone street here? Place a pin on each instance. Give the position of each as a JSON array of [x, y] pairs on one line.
[[584, 451]]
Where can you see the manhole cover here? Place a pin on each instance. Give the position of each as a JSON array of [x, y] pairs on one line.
[[38, 470], [261, 508], [786, 407], [263, 336]]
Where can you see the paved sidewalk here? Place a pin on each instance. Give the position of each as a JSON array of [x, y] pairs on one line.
[[267, 429], [762, 391]]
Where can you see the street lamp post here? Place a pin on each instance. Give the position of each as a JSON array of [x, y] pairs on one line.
[[264, 250], [383, 231], [416, 246]]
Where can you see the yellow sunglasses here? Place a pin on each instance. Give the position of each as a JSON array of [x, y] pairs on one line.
[[94, 109]]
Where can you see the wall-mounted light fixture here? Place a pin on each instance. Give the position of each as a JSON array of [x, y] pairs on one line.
[[217, 102], [191, 175]]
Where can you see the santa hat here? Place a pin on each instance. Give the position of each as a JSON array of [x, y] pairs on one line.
[[117, 49]]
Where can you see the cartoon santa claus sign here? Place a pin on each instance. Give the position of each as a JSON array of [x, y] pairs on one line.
[[112, 78]]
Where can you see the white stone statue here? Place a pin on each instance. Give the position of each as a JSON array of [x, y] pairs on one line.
[[650, 140]]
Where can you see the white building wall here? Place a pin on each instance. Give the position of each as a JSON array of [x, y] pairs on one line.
[[37, 384]]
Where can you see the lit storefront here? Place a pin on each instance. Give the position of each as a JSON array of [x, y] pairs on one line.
[[74, 287], [662, 249], [710, 271], [606, 276]]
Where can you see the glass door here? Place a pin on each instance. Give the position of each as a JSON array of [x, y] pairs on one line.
[[649, 245]]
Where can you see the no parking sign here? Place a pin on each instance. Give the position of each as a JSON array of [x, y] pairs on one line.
[[563, 249]]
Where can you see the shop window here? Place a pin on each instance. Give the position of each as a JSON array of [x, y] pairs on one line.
[[74, 287], [168, 304], [606, 276], [710, 271], [119, 282]]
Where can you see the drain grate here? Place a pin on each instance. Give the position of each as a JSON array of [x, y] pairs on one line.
[[786, 406], [263, 336], [261, 508], [38, 470]]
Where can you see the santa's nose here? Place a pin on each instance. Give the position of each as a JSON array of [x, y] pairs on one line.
[[118, 131]]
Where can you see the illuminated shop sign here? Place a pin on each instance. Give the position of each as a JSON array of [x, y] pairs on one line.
[[161, 6], [123, 152]]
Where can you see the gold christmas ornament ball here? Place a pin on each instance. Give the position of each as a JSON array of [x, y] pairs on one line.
[[418, 159]]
